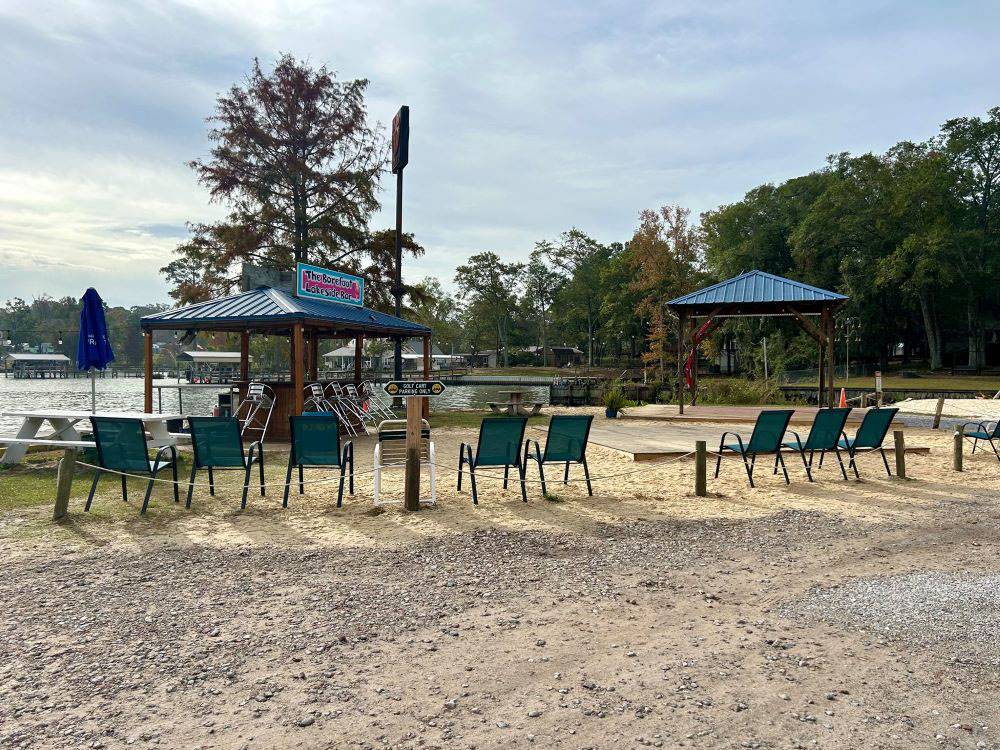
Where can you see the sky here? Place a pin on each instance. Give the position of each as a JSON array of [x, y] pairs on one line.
[[527, 118]]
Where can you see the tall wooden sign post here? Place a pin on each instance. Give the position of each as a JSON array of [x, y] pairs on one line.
[[416, 393]]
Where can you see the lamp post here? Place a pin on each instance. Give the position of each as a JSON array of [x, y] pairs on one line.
[[400, 158]]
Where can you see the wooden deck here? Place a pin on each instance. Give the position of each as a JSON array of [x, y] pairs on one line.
[[728, 414], [651, 441]]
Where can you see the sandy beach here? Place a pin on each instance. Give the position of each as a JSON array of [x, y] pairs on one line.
[[641, 617]]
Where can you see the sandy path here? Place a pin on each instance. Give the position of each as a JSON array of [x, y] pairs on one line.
[[641, 617]]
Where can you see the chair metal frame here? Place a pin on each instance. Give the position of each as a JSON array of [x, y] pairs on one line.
[[540, 456], [801, 447], [250, 456], [465, 455], [984, 434], [259, 403], [392, 433], [852, 448], [744, 448], [153, 469], [346, 453]]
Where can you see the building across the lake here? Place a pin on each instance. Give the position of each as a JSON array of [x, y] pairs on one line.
[[211, 367], [23, 365]]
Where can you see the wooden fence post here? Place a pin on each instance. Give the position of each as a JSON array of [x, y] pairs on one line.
[[700, 468], [937, 413], [411, 496], [897, 438], [64, 483], [959, 439]]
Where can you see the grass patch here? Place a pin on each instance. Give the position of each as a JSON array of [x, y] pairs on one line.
[[472, 418]]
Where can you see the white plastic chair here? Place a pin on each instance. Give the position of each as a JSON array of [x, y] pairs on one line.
[[390, 452]]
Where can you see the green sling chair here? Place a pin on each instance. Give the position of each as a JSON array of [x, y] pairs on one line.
[[768, 432], [499, 444], [566, 442], [824, 435], [218, 446], [121, 446], [983, 433], [869, 437], [315, 443]]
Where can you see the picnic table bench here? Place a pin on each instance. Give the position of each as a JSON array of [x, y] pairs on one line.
[[515, 405], [66, 436]]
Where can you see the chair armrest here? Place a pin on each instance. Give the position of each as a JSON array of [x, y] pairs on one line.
[[798, 439], [980, 425], [736, 435]]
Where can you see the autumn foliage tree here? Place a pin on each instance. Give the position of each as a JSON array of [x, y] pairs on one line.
[[297, 163]]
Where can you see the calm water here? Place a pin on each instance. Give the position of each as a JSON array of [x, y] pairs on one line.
[[125, 394]]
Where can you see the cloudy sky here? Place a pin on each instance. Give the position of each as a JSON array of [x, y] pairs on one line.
[[527, 117]]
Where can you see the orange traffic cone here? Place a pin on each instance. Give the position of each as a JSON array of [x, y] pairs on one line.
[[843, 398]]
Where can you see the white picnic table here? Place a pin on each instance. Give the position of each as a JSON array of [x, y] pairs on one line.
[[63, 424]]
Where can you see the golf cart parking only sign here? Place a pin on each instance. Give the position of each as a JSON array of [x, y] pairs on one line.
[[414, 388]]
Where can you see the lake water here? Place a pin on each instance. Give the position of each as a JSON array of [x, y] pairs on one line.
[[125, 394]]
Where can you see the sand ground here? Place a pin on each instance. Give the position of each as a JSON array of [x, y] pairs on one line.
[[642, 616]]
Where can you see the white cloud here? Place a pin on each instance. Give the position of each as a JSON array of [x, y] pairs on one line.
[[528, 118]]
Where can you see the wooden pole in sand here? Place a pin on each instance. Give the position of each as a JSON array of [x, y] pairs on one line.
[[64, 483], [414, 412], [957, 456], [700, 468], [937, 413], [897, 439]]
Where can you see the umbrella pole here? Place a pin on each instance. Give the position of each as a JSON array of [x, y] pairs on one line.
[[93, 391]]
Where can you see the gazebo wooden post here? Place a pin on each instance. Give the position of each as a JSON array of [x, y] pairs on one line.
[[426, 402], [681, 320], [822, 363], [245, 356], [832, 399], [147, 385], [298, 398], [313, 356], [693, 327], [359, 345]]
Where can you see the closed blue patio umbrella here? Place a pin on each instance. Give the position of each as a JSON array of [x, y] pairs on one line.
[[93, 352]]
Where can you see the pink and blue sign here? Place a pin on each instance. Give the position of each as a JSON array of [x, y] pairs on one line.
[[332, 286]]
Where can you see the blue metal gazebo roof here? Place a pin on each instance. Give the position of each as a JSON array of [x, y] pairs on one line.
[[759, 291], [267, 308]]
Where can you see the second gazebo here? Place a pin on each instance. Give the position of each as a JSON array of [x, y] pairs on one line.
[[757, 294]]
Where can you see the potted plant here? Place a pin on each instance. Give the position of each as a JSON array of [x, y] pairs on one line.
[[614, 402]]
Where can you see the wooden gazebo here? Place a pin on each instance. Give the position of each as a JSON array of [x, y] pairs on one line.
[[759, 294], [273, 312]]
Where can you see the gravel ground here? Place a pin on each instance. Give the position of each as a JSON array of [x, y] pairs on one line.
[[960, 611], [837, 615]]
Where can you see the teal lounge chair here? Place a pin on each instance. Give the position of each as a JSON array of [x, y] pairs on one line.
[[824, 435], [499, 444], [768, 432], [218, 446], [121, 446], [874, 427], [566, 442], [982, 433], [315, 443]]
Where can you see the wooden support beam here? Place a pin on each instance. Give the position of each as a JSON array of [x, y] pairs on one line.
[[359, 344], [693, 352], [807, 325], [680, 361], [147, 386], [831, 370], [244, 356], [313, 356], [298, 384]]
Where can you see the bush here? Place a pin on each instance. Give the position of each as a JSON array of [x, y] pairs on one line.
[[739, 392], [614, 399]]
